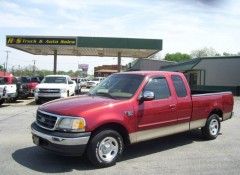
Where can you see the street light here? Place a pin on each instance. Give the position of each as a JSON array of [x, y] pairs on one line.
[[6, 62]]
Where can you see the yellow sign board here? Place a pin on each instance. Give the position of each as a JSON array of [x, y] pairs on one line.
[[40, 41]]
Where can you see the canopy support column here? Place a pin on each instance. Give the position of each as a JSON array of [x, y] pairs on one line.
[[119, 62], [55, 63]]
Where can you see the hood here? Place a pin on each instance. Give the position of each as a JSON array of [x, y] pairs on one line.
[[79, 105], [51, 85]]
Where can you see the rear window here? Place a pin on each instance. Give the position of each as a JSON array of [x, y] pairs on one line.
[[179, 86]]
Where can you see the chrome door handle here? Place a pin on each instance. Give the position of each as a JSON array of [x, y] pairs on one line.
[[173, 106]]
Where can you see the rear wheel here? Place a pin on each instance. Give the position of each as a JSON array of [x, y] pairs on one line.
[[105, 148], [38, 102], [2, 101], [212, 127]]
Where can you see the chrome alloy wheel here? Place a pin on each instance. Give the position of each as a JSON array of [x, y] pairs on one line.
[[108, 149], [214, 127]]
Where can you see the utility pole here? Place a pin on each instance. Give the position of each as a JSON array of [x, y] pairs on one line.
[[6, 62], [34, 66]]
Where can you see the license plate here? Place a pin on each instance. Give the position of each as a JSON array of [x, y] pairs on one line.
[[35, 139]]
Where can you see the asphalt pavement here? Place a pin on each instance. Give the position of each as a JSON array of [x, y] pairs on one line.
[[186, 153]]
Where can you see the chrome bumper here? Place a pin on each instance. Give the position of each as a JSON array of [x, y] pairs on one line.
[[62, 140]]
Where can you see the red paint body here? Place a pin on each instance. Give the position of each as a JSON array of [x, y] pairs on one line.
[[147, 115]]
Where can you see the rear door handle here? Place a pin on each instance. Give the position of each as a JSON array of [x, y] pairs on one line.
[[173, 106]]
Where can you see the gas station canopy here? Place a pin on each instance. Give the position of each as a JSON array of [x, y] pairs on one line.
[[85, 46]]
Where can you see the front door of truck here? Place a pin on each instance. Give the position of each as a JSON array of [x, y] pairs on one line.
[[158, 116]]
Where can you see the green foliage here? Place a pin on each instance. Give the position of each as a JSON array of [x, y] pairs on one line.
[[231, 54], [1, 68], [178, 57], [204, 52], [29, 71]]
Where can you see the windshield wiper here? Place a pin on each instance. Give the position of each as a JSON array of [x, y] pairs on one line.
[[105, 95]]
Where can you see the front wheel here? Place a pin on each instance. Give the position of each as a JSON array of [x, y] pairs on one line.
[[212, 127], [105, 148]]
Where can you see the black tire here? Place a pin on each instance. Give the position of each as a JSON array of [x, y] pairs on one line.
[[38, 102], [76, 92], [2, 101], [212, 127], [105, 148]]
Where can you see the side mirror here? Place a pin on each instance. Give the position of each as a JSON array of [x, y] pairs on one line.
[[147, 96]]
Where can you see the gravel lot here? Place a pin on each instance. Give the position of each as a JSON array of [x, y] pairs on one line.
[[185, 153]]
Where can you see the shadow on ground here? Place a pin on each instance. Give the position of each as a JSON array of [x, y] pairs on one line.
[[40, 160]]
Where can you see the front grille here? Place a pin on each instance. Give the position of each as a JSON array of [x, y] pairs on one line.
[[46, 120], [49, 90]]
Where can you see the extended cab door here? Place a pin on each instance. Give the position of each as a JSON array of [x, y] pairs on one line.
[[158, 116], [184, 102]]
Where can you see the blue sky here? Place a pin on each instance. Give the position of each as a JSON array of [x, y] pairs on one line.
[[184, 25]]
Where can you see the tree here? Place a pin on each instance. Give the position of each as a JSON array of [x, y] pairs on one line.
[[204, 52], [177, 57], [231, 54], [1, 68]]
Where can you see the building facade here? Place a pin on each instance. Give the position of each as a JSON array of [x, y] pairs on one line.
[[106, 70], [211, 73], [147, 65]]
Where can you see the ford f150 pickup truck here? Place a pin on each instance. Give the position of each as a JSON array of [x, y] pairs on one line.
[[128, 108], [53, 87]]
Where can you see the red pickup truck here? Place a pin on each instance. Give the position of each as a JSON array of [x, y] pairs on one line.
[[127, 108]]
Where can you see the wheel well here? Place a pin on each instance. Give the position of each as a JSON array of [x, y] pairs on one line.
[[116, 127], [218, 112]]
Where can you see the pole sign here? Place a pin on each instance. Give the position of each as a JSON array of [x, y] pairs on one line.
[[83, 67], [40, 41]]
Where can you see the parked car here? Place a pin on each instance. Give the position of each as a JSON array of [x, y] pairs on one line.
[[33, 82], [128, 108], [23, 87], [8, 89], [53, 87], [84, 81], [94, 82], [78, 86]]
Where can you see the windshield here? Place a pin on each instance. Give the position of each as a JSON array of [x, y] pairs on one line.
[[95, 79], [25, 79], [61, 80], [118, 86]]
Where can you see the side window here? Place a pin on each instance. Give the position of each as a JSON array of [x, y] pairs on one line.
[[14, 80], [179, 86], [5, 80], [159, 86]]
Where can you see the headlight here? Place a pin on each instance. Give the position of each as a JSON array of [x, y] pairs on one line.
[[72, 124], [64, 90]]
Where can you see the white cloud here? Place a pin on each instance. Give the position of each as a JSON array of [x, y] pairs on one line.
[[182, 24]]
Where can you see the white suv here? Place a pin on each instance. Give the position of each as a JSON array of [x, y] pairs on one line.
[[94, 82], [83, 81]]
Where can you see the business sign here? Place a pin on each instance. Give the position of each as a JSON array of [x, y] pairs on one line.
[[83, 67], [40, 41]]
